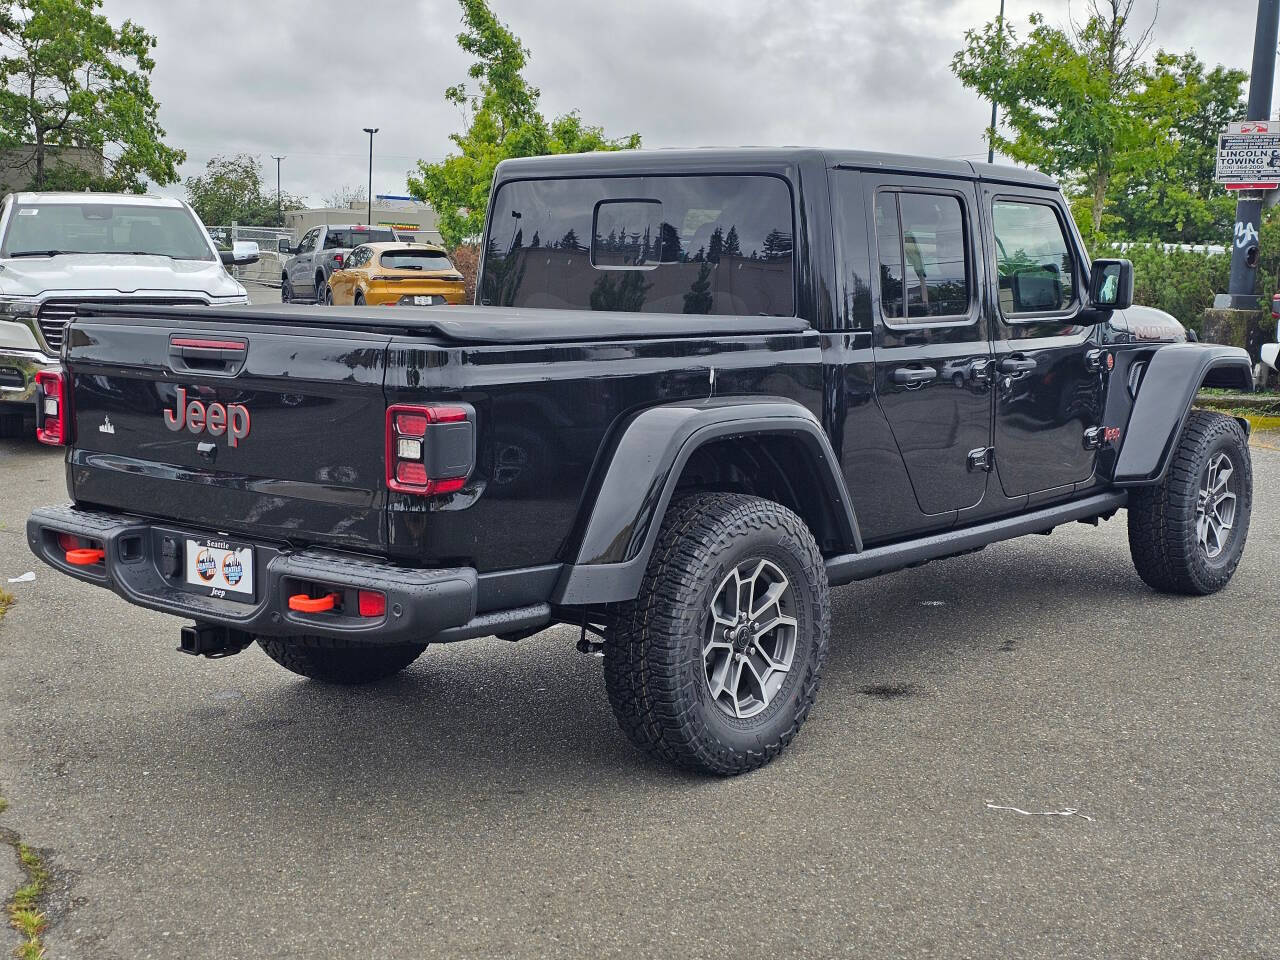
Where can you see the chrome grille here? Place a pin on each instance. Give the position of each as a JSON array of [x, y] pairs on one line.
[[53, 320], [56, 314]]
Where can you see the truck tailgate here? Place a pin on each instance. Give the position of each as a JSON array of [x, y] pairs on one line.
[[277, 432]]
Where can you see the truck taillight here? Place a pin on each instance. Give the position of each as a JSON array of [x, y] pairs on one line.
[[52, 412], [1275, 306], [338, 259], [430, 448]]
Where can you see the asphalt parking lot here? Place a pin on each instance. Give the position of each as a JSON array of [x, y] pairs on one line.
[[484, 803]]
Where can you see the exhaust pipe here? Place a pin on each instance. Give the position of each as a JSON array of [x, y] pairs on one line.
[[212, 641]]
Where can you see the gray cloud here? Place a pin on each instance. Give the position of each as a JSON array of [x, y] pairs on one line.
[[302, 77]]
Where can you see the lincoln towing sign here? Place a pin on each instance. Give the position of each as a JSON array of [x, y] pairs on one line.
[[1249, 156]]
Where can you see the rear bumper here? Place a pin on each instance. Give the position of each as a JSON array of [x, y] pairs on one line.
[[421, 604]]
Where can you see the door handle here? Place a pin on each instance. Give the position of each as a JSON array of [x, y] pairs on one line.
[[1017, 364], [913, 376]]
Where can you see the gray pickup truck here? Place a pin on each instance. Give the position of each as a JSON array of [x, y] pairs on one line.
[[321, 251]]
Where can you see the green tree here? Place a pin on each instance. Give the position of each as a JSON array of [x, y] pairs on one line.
[[231, 190], [68, 78], [1168, 192], [502, 120], [1066, 96]]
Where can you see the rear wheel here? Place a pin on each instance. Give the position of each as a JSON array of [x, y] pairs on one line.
[[716, 664], [338, 661], [318, 286], [328, 295], [1187, 533], [359, 299]]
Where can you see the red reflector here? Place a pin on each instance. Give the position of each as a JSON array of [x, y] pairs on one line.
[[452, 485], [411, 473], [372, 603], [68, 541], [411, 424]]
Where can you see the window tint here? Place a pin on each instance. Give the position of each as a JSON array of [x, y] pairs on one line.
[[415, 260], [923, 255], [309, 241], [1033, 258], [706, 245]]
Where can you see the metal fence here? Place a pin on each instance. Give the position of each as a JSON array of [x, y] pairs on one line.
[[270, 257]]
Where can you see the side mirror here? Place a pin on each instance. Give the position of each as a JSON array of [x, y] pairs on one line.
[[288, 248], [242, 253], [1111, 284]]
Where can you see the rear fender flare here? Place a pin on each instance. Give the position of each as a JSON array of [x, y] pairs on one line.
[[645, 467], [1167, 390]]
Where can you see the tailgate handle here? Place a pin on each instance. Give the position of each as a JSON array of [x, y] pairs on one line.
[[218, 356]]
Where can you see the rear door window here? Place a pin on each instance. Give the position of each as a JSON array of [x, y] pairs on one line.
[[924, 262], [717, 245]]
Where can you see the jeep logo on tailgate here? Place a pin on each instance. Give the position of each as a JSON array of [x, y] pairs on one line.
[[215, 419]]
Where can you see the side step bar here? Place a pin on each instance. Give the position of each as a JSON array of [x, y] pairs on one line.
[[895, 556]]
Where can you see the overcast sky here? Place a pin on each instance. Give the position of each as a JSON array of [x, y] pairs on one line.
[[302, 77]]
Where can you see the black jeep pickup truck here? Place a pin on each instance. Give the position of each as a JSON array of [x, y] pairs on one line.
[[698, 389]]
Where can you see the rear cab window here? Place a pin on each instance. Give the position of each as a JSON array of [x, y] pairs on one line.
[[716, 245], [344, 239]]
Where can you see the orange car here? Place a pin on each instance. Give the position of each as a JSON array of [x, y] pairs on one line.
[[390, 274]]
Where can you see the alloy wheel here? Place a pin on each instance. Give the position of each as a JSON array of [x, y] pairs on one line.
[[1216, 505], [751, 640]]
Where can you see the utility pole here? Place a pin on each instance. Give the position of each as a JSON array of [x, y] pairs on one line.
[[279, 205], [371, 131], [1242, 292], [991, 146]]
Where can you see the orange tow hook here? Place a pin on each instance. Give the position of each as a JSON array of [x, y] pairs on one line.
[[305, 604], [85, 556]]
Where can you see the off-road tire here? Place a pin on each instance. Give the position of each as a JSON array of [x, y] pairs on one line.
[[327, 298], [1162, 518], [653, 654], [320, 282], [331, 660]]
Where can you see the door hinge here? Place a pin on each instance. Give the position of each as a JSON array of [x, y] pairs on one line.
[[984, 458]]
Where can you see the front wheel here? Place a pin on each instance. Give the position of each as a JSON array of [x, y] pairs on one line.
[[716, 663], [337, 661], [286, 291], [1187, 533]]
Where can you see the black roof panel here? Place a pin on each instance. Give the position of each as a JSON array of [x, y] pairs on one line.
[[776, 159]]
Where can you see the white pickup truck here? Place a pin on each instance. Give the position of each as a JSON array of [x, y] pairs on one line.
[[59, 250]]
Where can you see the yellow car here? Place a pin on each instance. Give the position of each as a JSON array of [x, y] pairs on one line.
[[391, 274]]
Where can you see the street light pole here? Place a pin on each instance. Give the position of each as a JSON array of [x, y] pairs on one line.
[[279, 205], [370, 131], [991, 145]]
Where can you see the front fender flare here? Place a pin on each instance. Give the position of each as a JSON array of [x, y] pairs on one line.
[[641, 478], [1168, 388]]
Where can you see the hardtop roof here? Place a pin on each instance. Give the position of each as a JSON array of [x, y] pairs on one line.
[[752, 159]]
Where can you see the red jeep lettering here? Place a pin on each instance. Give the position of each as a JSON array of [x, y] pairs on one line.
[[216, 418]]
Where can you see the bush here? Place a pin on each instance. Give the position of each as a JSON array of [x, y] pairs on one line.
[[466, 257], [1179, 282]]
